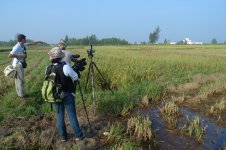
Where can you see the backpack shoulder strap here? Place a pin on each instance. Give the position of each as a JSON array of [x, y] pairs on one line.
[[58, 70], [55, 68], [51, 68]]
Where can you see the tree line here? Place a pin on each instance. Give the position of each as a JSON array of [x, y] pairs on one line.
[[79, 41], [12, 43], [9, 43], [92, 39], [95, 41]]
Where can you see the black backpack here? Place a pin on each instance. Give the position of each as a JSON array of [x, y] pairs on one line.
[[52, 91]]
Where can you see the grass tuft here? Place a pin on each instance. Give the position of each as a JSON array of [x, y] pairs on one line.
[[126, 146], [116, 132], [140, 127], [194, 128], [218, 107], [170, 112], [145, 101]]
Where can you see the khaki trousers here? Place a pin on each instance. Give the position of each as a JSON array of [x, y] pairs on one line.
[[19, 80]]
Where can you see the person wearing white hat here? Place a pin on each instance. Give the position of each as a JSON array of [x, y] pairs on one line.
[[68, 54], [66, 76]]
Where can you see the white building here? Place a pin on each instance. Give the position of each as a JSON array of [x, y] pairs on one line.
[[197, 43], [173, 43], [188, 41]]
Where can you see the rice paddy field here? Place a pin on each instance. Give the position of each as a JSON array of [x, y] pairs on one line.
[[165, 97]]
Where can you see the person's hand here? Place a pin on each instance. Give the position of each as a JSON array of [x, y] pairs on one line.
[[22, 56], [79, 75]]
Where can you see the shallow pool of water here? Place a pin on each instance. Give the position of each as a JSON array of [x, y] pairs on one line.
[[173, 139]]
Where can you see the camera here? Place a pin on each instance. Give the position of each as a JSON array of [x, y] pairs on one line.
[[79, 65], [61, 95], [90, 51]]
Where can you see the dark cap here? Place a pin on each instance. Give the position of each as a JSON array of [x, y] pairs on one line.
[[20, 37]]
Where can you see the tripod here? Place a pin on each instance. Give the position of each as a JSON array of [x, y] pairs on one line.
[[91, 72], [84, 105]]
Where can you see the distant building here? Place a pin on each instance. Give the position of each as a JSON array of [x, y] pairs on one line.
[[173, 43], [188, 41], [197, 43]]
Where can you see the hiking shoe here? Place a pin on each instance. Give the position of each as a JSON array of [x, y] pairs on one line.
[[63, 139], [80, 138]]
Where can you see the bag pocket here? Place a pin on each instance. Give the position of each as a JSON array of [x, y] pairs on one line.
[[24, 64], [10, 72]]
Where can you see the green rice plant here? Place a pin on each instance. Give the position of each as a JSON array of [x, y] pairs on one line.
[[217, 87], [170, 112], [140, 127], [126, 146], [75, 147], [111, 106], [30, 110], [194, 127], [116, 132], [219, 107], [121, 103], [127, 107]]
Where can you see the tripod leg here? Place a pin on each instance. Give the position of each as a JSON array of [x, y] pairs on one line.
[[80, 90], [87, 78], [103, 78], [93, 93]]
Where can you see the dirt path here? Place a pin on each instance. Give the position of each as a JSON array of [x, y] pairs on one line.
[[40, 132]]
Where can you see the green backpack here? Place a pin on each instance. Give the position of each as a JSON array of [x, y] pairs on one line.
[[51, 89]]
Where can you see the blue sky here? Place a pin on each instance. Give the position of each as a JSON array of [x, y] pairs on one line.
[[133, 20]]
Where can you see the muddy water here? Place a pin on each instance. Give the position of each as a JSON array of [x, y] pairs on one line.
[[173, 139]]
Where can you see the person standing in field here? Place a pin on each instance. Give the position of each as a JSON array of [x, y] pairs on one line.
[[69, 57], [68, 54], [67, 76], [19, 55]]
